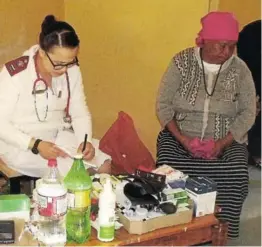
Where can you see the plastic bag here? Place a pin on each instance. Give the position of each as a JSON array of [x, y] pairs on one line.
[[123, 144]]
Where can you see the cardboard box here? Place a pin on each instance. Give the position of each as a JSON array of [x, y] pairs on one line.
[[203, 203], [140, 227], [202, 191]]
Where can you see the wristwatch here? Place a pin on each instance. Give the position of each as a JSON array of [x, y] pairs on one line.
[[35, 147]]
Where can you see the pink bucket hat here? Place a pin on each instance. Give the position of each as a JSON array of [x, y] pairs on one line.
[[218, 26]]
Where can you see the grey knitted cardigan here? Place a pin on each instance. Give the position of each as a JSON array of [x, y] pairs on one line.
[[182, 96]]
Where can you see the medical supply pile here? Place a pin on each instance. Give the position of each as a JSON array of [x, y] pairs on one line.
[[65, 210]]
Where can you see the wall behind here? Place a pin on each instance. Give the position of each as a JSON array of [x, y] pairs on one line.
[[20, 23], [245, 11], [125, 48]]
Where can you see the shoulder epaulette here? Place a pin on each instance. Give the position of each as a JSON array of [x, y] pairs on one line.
[[17, 65]]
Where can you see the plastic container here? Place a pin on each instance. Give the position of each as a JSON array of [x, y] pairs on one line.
[[106, 213], [14, 206], [79, 184], [52, 207]]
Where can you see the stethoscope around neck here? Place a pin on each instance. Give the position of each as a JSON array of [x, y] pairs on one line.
[[67, 118]]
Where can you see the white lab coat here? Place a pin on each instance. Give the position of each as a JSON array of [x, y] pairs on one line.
[[19, 123]]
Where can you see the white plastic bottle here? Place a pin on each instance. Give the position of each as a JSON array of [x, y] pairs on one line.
[[52, 207], [106, 213]]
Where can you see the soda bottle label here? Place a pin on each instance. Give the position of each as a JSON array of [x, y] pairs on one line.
[[79, 199], [52, 206]]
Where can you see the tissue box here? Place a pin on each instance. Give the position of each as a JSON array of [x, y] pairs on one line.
[[203, 192], [14, 206]]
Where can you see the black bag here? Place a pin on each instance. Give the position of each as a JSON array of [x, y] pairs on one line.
[[145, 184]]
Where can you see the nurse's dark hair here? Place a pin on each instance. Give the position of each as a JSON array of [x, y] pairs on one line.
[[57, 33]]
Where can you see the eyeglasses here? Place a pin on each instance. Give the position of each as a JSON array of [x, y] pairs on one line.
[[61, 66]]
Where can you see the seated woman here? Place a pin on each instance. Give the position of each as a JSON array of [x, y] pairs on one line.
[[208, 93], [41, 100]]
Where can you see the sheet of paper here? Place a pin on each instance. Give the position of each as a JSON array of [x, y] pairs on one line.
[[67, 142]]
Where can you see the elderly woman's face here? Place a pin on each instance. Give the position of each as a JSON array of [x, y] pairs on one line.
[[219, 51]]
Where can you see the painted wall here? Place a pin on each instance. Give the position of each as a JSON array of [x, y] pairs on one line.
[[20, 22], [244, 10], [125, 48]]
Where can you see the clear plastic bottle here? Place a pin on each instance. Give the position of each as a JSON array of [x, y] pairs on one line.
[[52, 207], [106, 213], [79, 184]]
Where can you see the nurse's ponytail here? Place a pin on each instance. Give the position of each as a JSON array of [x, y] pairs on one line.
[[48, 25], [57, 33]]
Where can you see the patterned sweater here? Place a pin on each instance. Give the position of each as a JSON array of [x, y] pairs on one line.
[[182, 97]]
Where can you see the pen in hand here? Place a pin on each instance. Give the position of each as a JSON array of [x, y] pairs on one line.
[[84, 147]]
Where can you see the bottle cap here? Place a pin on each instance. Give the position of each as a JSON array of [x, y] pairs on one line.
[[78, 156], [52, 163]]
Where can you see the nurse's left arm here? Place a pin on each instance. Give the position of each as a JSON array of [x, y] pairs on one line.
[[80, 114]]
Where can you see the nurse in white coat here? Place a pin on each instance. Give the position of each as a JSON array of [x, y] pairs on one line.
[[41, 95]]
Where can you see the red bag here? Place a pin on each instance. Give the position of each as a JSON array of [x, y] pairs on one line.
[[123, 144]]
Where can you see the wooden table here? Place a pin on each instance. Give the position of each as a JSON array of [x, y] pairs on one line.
[[200, 230]]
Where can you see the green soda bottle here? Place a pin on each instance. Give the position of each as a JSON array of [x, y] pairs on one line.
[[78, 184]]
